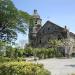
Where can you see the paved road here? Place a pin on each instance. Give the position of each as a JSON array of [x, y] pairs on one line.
[[59, 66]]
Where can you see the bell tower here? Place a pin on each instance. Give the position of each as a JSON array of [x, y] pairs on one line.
[[37, 22], [36, 17], [35, 28]]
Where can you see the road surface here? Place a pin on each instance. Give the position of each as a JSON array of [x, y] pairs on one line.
[[59, 66]]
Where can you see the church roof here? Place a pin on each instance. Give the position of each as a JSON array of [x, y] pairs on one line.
[[53, 24]]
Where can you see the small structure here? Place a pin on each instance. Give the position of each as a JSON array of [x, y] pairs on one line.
[[69, 44]]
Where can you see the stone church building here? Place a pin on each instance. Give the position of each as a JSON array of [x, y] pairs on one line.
[[39, 35]]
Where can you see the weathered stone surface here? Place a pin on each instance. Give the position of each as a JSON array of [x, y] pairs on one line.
[[39, 36]]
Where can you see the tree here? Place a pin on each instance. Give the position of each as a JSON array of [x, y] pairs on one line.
[[11, 20], [55, 44], [25, 16], [9, 51], [2, 48]]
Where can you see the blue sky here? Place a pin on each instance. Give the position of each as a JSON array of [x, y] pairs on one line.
[[61, 12]]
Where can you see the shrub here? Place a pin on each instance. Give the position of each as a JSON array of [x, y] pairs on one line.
[[43, 53], [22, 68], [6, 59]]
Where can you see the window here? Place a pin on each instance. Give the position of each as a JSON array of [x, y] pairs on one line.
[[40, 41], [48, 28], [35, 22]]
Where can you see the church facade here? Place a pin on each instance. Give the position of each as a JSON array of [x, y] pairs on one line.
[[39, 35]]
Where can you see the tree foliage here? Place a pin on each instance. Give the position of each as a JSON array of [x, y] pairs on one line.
[[55, 43], [26, 17], [11, 20]]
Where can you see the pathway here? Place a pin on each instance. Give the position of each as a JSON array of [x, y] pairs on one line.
[[59, 66]]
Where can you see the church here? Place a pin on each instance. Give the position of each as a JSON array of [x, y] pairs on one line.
[[40, 35]]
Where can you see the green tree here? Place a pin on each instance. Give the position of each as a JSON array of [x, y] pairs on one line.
[[2, 48], [10, 52], [11, 20], [55, 44]]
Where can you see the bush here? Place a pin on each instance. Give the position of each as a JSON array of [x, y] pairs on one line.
[[6, 59], [44, 53], [22, 68]]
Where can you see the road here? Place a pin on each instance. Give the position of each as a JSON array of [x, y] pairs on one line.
[[59, 66]]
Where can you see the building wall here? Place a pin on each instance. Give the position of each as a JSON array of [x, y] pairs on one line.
[[50, 31], [47, 32]]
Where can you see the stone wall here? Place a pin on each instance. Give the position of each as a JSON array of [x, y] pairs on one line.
[[47, 32]]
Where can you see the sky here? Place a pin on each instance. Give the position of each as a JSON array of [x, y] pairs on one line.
[[60, 12]]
